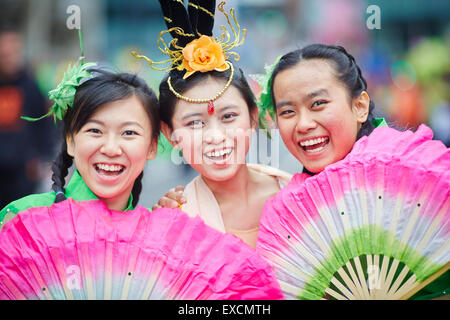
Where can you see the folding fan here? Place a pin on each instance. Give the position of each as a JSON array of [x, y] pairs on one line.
[[82, 250], [374, 225]]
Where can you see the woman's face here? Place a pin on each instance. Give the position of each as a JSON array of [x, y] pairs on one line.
[[216, 144], [112, 147], [317, 119]]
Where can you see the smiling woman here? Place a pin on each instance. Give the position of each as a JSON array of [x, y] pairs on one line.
[[209, 112], [110, 131], [111, 149]]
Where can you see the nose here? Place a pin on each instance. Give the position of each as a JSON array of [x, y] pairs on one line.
[[214, 134], [111, 146], [305, 122]]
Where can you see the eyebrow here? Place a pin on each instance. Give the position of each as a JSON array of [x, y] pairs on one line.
[[198, 114], [320, 92], [309, 96], [123, 124], [192, 114], [230, 106]]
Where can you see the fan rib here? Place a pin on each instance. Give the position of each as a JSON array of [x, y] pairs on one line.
[[390, 276], [349, 283], [310, 229], [300, 274], [439, 252], [131, 267], [406, 287], [376, 264], [286, 287], [108, 270], [383, 275], [432, 228], [12, 288], [155, 273], [362, 279], [54, 253], [423, 284], [334, 294], [414, 217], [370, 270], [87, 271], [398, 281], [345, 291], [39, 279], [355, 279]]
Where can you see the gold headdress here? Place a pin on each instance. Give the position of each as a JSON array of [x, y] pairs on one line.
[[193, 47]]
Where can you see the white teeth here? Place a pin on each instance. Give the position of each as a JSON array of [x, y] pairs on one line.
[[107, 167], [220, 153], [312, 142], [316, 149]]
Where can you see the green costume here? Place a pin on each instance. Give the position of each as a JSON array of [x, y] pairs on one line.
[[76, 189]]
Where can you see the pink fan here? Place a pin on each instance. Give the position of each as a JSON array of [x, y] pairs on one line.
[[374, 225], [82, 250]]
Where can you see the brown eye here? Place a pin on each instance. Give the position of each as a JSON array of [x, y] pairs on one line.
[[195, 124], [318, 103], [229, 116], [93, 130], [130, 133], [286, 112]]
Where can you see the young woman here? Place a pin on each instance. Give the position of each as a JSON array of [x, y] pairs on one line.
[[208, 111], [110, 132], [322, 108], [228, 194]]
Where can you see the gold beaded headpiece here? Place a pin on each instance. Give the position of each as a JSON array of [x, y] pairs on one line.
[[193, 48]]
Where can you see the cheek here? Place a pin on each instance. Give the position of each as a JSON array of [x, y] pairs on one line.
[[83, 155], [191, 147], [286, 128]]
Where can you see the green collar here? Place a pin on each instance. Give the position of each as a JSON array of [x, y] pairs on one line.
[[79, 191], [379, 122]]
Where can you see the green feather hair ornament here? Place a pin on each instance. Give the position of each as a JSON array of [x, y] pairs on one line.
[[64, 94], [265, 103]]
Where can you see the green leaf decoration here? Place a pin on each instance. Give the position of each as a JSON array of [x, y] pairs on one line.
[[63, 95], [264, 103]]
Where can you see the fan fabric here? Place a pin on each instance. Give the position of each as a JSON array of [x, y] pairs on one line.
[[83, 250], [373, 225]]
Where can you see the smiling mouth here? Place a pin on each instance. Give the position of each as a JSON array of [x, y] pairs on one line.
[[314, 145], [218, 155], [109, 169]]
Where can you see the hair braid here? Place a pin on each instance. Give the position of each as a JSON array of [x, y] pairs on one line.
[[367, 127], [60, 169]]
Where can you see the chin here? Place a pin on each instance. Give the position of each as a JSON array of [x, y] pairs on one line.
[[221, 174]]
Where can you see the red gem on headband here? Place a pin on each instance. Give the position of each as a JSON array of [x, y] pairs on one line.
[[210, 107]]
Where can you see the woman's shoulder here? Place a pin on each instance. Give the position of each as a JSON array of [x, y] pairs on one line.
[[30, 201], [282, 176]]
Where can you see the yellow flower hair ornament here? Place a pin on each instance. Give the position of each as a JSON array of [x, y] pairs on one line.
[[202, 54]]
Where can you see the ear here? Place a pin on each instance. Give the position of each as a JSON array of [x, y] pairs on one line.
[[254, 118], [361, 107], [153, 151], [167, 132], [70, 145]]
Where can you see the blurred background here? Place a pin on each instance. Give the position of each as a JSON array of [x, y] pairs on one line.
[[402, 47]]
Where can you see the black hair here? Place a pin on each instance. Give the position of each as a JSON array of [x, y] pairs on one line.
[[167, 99], [104, 87], [347, 71], [196, 20]]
